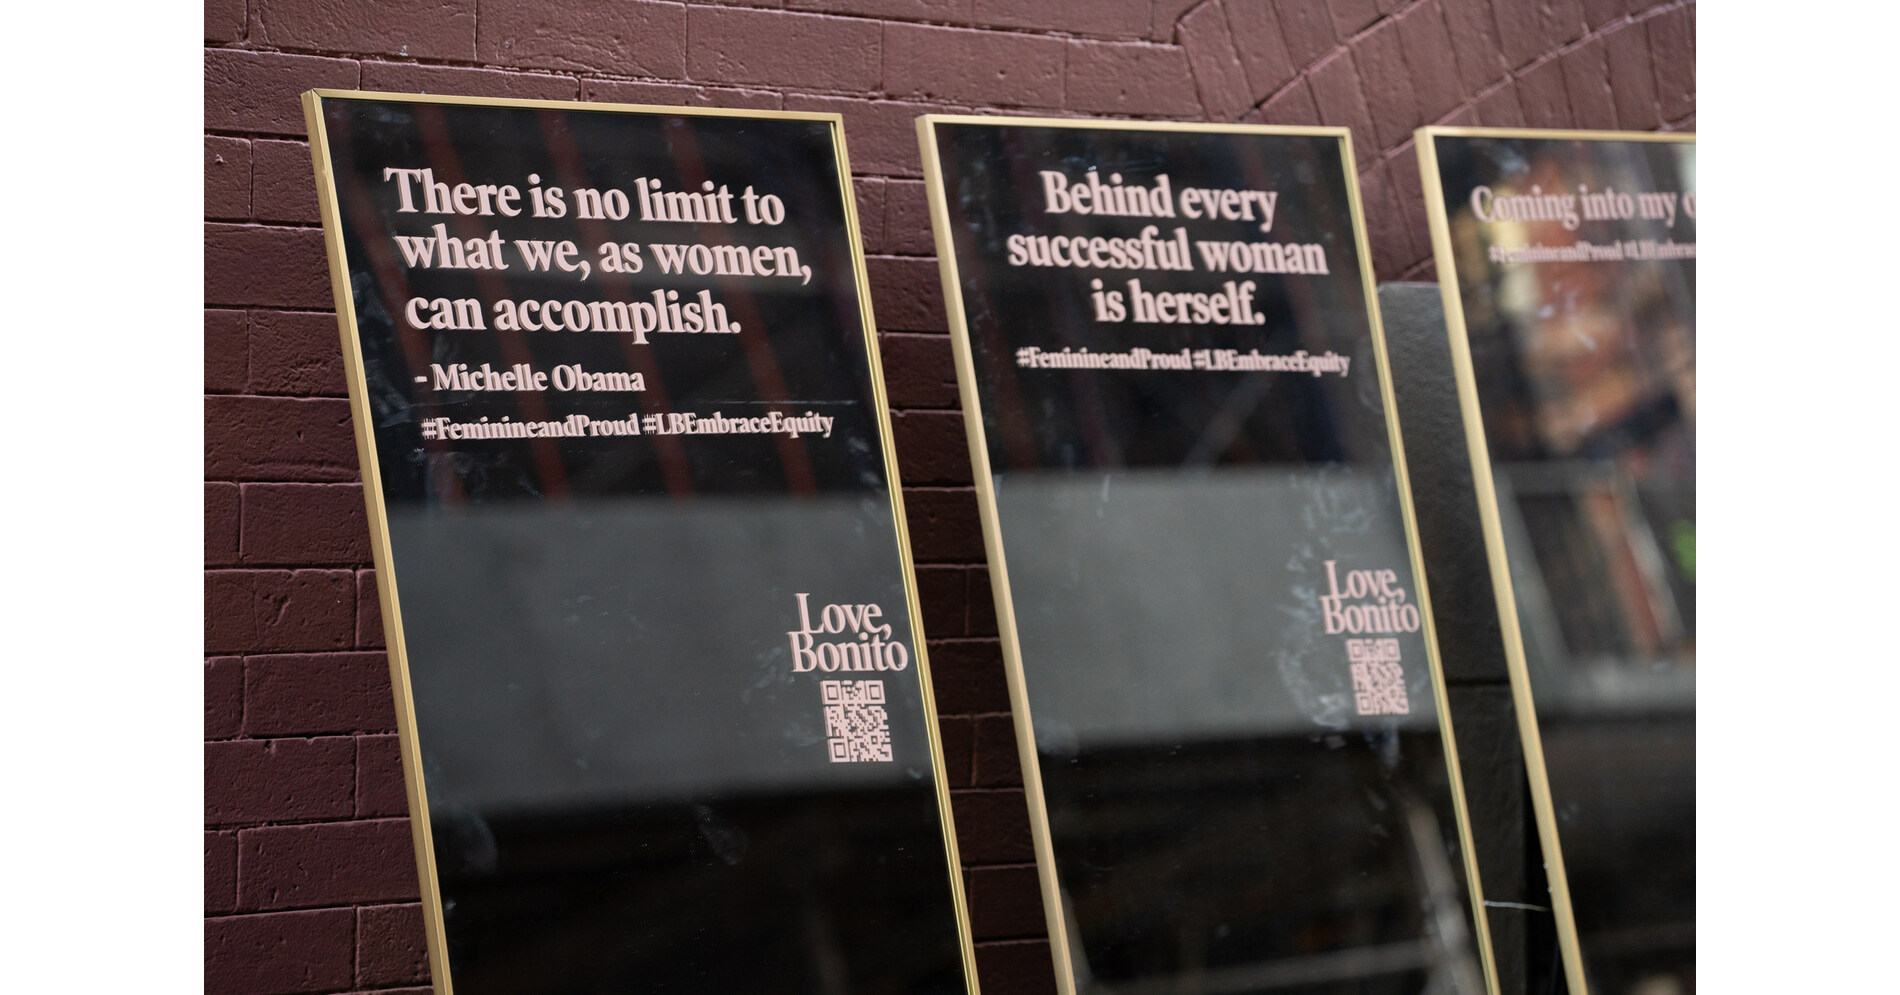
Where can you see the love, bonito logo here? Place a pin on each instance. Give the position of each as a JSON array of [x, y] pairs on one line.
[[847, 637], [1370, 601]]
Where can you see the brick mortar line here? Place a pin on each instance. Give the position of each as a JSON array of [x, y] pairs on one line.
[[1024, 110], [370, 904], [1062, 80], [1174, 30], [908, 489], [255, 223], [247, 827], [245, 737], [271, 308], [1408, 5], [259, 656], [227, 395], [251, 913], [246, 569], [306, 737], [883, 53], [1062, 34], [295, 397]]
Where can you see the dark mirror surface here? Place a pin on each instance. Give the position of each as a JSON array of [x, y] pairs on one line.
[[1575, 266], [1236, 726], [667, 703]]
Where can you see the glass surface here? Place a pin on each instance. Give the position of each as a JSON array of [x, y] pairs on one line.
[[1243, 795], [639, 775], [1575, 266]]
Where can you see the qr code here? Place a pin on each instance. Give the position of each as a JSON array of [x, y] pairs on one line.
[[1378, 682], [856, 726]]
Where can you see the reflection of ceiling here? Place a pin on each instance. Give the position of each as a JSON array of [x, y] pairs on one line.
[[597, 652], [1184, 606]]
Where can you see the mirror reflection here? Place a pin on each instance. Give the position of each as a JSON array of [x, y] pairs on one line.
[[1219, 645], [1576, 270], [645, 768]]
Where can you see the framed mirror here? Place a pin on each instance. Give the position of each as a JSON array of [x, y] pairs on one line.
[[1567, 266], [1235, 749], [664, 707]]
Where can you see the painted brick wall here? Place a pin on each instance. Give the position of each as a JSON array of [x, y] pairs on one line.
[[309, 881]]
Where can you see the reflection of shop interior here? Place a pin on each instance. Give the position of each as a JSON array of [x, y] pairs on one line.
[[1608, 606], [1596, 505], [1585, 374], [1607, 614]]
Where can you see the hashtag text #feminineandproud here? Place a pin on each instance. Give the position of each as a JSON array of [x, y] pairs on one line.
[[1211, 360], [667, 423]]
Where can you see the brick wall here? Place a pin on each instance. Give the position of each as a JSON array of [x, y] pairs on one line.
[[309, 880]]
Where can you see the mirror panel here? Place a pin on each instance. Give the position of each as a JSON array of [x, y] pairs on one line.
[[1568, 267], [1222, 675], [664, 707]]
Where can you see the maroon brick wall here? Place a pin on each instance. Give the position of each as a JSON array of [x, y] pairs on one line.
[[309, 882]]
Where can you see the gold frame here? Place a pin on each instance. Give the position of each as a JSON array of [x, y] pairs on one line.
[[993, 539], [1488, 515], [379, 528]]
